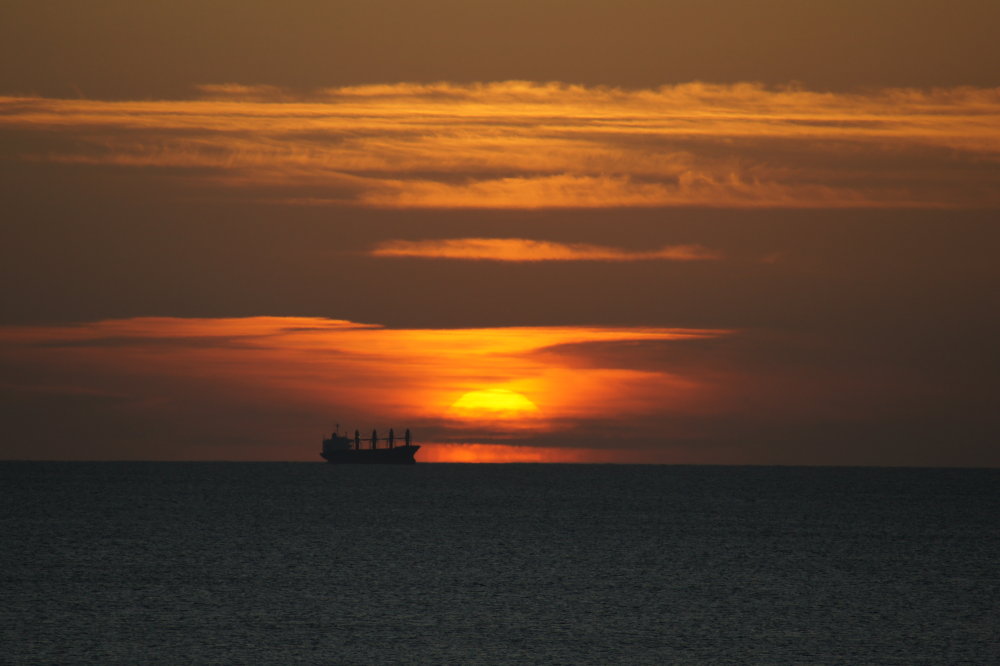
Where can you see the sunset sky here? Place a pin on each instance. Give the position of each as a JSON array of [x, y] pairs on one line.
[[660, 231]]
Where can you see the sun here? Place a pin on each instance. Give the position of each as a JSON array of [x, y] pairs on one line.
[[493, 404]]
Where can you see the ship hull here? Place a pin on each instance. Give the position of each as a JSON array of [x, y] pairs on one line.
[[400, 455]]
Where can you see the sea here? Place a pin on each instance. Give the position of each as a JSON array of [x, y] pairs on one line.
[[311, 563]]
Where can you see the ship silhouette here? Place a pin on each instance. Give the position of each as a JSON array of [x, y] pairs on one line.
[[340, 449]]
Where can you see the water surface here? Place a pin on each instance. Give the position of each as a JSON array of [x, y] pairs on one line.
[[298, 562]]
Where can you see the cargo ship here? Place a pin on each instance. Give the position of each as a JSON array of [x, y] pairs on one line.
[[340, 449]]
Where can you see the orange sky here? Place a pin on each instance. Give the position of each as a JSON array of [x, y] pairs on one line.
[[662, 232]]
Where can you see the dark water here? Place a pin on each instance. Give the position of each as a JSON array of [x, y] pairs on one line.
[[311, 563]]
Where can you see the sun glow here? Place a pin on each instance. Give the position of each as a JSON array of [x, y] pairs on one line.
[[501, 453], [493, 404], [508, 391]]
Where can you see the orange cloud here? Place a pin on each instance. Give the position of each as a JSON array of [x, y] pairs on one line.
[[450, 385], [268, 388], [522, 249], [527, 145]]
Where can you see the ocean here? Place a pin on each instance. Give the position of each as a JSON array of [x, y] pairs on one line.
[[277, 563]]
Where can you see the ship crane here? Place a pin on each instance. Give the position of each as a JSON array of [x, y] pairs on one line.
[[341, 449]]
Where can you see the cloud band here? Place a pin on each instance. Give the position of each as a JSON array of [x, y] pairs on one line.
[[527, 145]]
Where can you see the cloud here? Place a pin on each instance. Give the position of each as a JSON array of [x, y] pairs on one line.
[[528, 145], [267, 387], [211, 376], [522, 249]]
